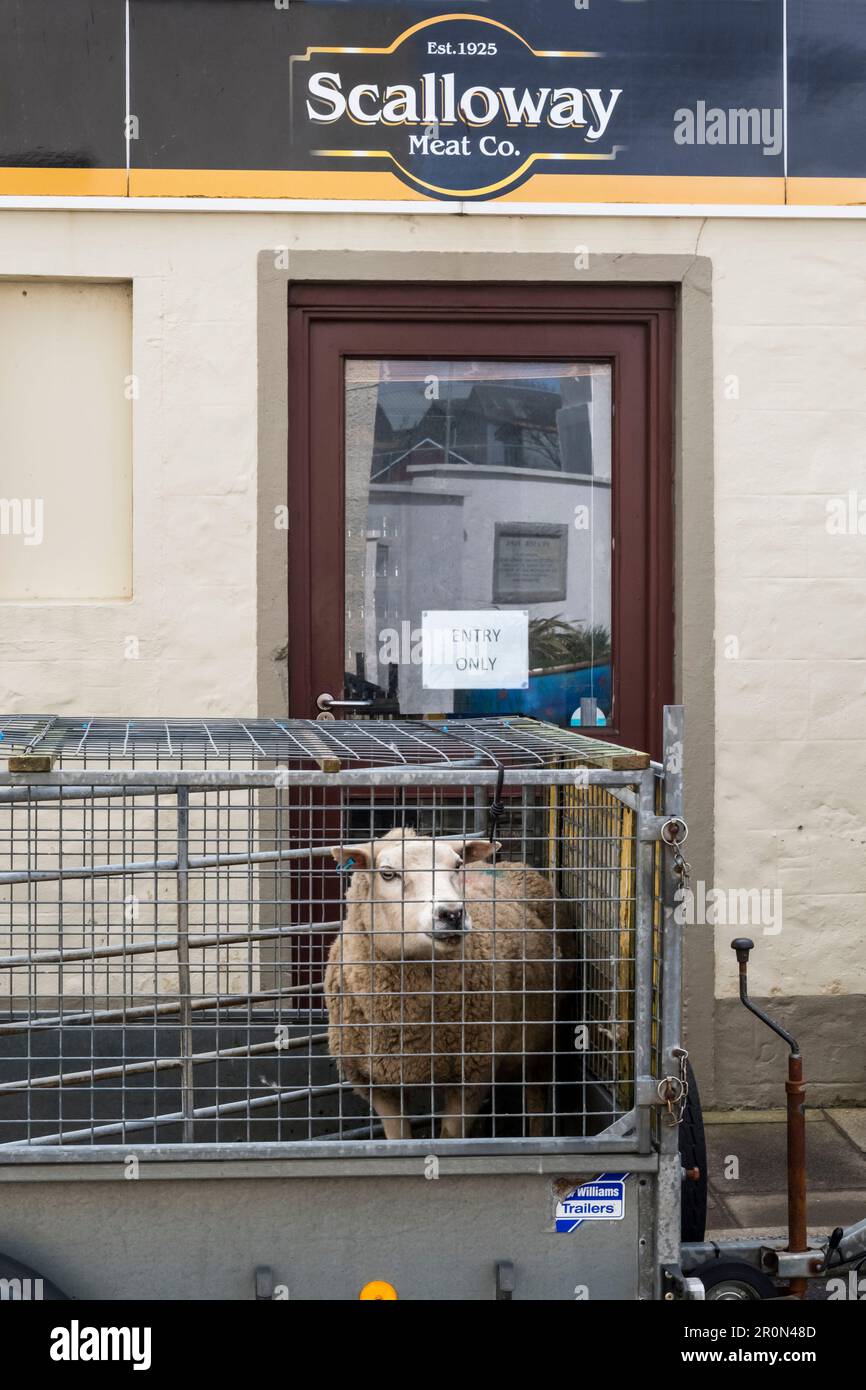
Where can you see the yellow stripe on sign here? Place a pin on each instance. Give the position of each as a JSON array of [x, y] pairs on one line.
[[271, 183], [646, 188], [62, 183], [826, 192], [383, 186]]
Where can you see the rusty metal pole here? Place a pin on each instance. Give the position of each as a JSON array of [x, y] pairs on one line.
[[795, 1088]]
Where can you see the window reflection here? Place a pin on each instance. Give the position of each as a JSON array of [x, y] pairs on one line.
[[480, 487]]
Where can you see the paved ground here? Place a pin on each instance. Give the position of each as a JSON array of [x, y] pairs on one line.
[[746, 1170]]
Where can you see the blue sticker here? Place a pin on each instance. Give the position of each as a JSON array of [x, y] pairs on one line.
[[601, 1199]]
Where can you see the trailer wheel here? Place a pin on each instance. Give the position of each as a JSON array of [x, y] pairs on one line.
[[732, 1281], [693, 1154]]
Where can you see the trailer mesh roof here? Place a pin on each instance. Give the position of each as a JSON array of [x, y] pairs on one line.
[[102, 742]]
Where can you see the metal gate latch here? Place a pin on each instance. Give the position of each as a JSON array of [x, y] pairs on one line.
[[674, 833], [671, 1091]]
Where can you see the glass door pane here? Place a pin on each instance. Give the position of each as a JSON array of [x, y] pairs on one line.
[[478, 537]]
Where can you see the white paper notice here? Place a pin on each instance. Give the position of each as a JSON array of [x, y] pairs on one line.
[[479, 649]]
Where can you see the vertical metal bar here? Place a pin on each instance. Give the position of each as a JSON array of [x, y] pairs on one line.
[[671, 931], [669, 1188], [184, 978], [647, 1184], [643, 955], [668, 1201]]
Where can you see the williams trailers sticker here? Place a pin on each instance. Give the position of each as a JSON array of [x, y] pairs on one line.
[[602, 1199]]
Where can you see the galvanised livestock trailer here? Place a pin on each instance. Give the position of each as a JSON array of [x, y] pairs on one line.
[[179, 1116]]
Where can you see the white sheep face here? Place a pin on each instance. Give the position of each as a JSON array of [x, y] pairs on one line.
[[415, 893]]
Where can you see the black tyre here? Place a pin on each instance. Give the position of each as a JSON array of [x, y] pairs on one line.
[[730, 1281], [693, 1155]]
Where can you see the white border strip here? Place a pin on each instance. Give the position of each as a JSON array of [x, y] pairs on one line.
[[785, 85], [51, 203]]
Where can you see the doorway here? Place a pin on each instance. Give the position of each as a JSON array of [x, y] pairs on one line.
[[480, 492]]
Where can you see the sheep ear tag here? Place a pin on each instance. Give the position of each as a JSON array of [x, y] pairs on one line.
[[347, 865]]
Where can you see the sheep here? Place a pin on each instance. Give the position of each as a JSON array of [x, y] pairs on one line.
[[444, 972]]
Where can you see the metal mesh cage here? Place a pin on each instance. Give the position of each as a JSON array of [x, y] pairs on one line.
[[305, 743], [173, 891]]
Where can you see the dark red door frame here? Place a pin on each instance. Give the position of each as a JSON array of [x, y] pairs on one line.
[[631, 326]]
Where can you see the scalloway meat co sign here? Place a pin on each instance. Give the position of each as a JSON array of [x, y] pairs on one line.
[[471, 110]]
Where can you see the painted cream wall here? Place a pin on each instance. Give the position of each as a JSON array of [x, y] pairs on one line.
[[65, 439], [790, 423], [789, 346]]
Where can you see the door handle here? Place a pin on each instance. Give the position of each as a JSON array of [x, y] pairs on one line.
[[383, 705], [326, 702]]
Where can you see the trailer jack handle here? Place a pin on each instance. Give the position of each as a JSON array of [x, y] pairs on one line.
[[795, 1088]]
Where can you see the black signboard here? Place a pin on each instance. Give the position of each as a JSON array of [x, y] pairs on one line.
[[524, 100], [826, 45], [62, 101]]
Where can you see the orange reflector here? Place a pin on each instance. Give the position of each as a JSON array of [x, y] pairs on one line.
[[378, 1288]]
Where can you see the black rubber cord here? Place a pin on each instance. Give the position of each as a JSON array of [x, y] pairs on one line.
[[496, 809]]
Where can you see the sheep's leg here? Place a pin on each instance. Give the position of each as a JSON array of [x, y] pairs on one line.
[[462, 1104], [539, 1093], [389, 1107]]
